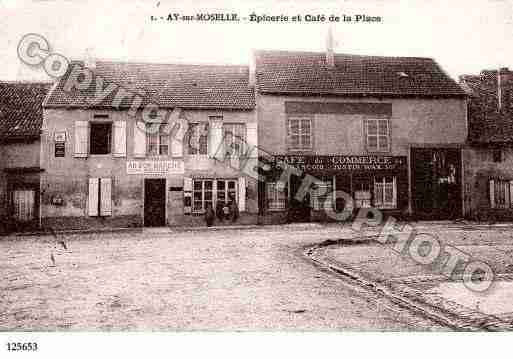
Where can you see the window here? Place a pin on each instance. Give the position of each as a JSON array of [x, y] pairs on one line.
[[157, 142], [100, 138], [234, 136], [276, 196], [100, 197], [377, 135], [500, 193], [497, 155], [322, 195], [385, 192], [198, 138], [209, 192], [300, 134]]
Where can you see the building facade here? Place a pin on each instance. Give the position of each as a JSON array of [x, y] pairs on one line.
[[488, 158], [21, 117], [386, 131], [106, 164]]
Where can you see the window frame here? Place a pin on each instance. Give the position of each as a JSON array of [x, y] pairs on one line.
[[506, 202], [161, 133], [190, 149], [110, 138], [383, 204], [319, 201], [377, 135], [215, 191], [241, 140], [276, 194], [300, 134]]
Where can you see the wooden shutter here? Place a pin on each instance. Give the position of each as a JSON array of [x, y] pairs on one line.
[[106, 197], [81, 138], [119, 139], [215, 146], [139, 139], [252, 139], [242, 194], [178, 138], [492, 194], [93, 197], [511, 193]]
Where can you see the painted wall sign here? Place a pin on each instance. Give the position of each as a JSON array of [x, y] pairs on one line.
[[155, 167], [343, 163], [60, 149]]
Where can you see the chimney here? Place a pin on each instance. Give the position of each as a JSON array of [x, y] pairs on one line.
[[252, 69], [330, 56], [504, 85], [89, 59]]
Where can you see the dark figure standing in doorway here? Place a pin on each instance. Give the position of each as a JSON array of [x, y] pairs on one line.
[[209, 215], [234, 209]]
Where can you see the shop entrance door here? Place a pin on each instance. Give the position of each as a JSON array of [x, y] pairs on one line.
[[299, 210], [154, 202], [436, 183]]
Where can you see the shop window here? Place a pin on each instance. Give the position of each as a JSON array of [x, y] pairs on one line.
[[276, 196], [500, 193], [377, 133], [299, 134], [100, 138], [497, 155], [322, 195], [234, 135], [362, 192], [157, 140], [385, 192], [209, 192], [198, 138]]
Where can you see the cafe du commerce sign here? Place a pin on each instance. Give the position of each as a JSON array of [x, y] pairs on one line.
[[155, 167], [343, 163]]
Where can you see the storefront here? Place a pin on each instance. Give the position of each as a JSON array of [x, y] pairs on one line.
[[306, 188]]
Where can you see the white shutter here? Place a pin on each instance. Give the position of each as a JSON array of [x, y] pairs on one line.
[[242, 194], [394, 188], [139, 139], [93, 197], [216, 148], [251, 139], [106, 197], [81, 138], [119, 139], [178, 138], [492, 194]]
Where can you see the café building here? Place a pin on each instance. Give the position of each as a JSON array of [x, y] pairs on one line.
[[387, 131]]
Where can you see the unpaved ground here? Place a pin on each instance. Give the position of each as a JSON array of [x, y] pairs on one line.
[[204, 280]]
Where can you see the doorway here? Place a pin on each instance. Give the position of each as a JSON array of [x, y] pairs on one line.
[[299, 210], [154, 202], [436, 183]]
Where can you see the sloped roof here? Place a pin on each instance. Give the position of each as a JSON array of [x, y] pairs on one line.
[[168, 85], [21, 113], [488, 124], [306, 73]]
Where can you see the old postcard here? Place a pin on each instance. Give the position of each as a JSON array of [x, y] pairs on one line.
[[318, 166]]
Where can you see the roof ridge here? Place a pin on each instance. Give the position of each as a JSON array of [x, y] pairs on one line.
[[113, 61], [291, 52]]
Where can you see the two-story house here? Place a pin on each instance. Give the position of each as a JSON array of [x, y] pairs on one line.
[[489, 157], [21, 118], [386, 131], [106, 165]]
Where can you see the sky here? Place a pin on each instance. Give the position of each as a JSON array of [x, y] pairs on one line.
[[464, 37]]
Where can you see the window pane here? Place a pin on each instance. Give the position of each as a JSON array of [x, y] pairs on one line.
[[220, 185], [197, 196], [383, 127], [305, 126], [208, 185], [372, 127], [383, 143], [197, 205], [208, 196], [164, 150], [372, 142], [305, 140], [294, 140], [231, 184], [197, 185], [294, 126]]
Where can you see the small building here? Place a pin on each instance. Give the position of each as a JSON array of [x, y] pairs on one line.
[[488, 159], [386, 131], [136, 144], [21, 118]]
